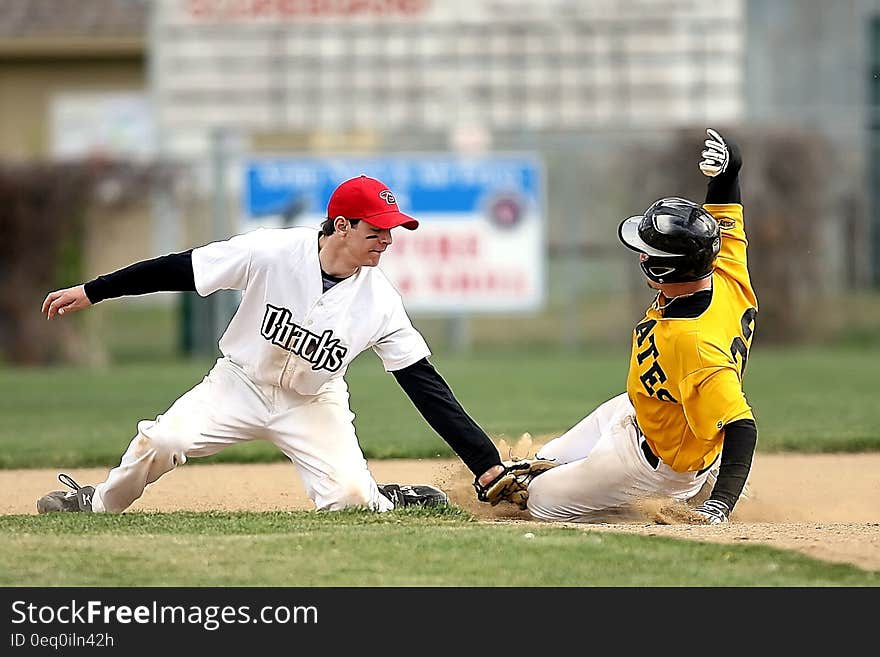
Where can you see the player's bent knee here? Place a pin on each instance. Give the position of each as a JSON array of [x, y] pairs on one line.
[[544, 504], [537, 500], [539, 510], [157, 444], [346, 495], [553, 513]]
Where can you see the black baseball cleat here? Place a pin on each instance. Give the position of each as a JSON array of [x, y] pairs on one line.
[[77, 500], [414, 495]]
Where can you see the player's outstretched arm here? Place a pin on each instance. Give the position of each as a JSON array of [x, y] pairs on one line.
[[435, 401], [495, 481], [168, 273], [721, 162], [66, 301]]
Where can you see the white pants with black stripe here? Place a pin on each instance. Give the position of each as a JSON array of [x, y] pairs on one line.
[[315, 432], [603, 470]]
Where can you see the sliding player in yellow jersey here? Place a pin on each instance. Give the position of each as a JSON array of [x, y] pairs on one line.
[[683, 419]]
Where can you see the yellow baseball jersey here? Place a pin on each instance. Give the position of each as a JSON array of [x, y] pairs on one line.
[[685, 374]]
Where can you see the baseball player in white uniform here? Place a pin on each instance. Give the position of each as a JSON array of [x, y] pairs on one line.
[[311, 301]]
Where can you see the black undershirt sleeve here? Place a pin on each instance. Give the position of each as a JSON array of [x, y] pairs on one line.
[[740, 439], [433, 398], [168, 273]]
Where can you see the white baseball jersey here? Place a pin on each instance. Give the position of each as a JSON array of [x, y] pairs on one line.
[[287, 331]]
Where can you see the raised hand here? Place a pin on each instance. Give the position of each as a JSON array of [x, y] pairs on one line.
[[716, 157]]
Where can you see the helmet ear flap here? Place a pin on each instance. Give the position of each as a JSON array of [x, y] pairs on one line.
[[659, 270]]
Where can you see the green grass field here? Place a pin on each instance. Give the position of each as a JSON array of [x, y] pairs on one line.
[[407, 547], [809, 400]]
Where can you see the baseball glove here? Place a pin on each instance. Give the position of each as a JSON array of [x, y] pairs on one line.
[[512, 485]]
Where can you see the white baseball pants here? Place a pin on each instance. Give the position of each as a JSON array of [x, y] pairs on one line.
[[603, 469], [315, 432]]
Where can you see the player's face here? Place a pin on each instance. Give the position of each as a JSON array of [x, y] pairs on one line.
[[367, 243]]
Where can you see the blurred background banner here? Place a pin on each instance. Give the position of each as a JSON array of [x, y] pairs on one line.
[[125, 122], [480, 244]]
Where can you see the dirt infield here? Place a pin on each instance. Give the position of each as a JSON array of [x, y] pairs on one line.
[[826, 506]]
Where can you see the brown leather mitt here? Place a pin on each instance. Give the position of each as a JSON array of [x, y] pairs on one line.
[[512, 485]]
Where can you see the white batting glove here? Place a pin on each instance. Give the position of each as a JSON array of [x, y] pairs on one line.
[[714, 512], [716, 157]]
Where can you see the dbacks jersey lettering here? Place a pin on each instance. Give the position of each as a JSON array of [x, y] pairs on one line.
[[287, 331]]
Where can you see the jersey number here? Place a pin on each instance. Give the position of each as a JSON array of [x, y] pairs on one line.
[[740, 347]]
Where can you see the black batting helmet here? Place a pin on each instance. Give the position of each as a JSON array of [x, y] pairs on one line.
[[678, 237]]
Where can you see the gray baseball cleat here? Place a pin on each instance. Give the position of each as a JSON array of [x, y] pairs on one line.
[[414, 495], [77, 500]]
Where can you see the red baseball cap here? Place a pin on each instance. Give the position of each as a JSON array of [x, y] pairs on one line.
[[370, 200]]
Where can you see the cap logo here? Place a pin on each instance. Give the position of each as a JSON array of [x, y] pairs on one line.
[[387, 196]]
